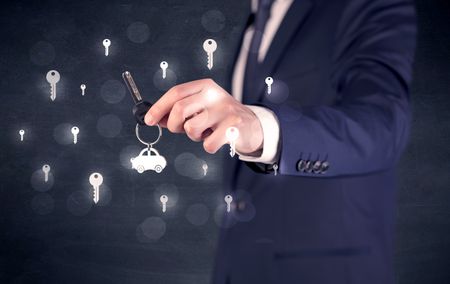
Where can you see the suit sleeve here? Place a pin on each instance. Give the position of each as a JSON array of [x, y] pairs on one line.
[[367, 128]]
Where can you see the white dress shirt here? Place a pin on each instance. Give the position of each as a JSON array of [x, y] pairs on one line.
[[269, 121]]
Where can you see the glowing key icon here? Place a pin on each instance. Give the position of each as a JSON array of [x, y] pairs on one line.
[[269, 82], [164, 65], [46, 170], [83, 89], [210, 46], [96, 179], [228, 199], [21, 133], [106, 44], [205, 169], [75, 130], [232, 134], [164, 200]]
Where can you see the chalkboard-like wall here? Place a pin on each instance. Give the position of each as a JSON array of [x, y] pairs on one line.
[[51, 232]]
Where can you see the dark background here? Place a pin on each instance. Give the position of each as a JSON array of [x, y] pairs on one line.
[[54, 234]]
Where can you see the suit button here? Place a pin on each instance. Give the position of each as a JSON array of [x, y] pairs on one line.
[[309, 166], [301, 165], [316, 167], [325, 166]]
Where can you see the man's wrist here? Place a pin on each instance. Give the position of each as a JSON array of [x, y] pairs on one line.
[[256, 153], [268, 153]]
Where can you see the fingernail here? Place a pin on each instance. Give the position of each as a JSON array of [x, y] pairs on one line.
[[149, 119]]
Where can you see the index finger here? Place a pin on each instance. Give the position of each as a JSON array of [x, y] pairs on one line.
[[164, 105]]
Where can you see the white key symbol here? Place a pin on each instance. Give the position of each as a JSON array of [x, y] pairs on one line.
[[164, 65], [164, 200], [269, 82], [232, 134], [106, 44], [205, 169], [96, 180], [83, 88], [53, 78], [46, 170], [210, 47], [228, 199], [275, 168], [75, 130], [21, 133]]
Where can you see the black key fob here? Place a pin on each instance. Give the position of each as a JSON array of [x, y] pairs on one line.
[[139, 111], [140, 107]]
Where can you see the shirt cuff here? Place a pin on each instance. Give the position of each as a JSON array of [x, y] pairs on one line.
[[271, 133]]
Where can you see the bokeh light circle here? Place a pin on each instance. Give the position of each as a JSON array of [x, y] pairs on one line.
[[62, 134], [138, 32], [109, 125], [127, 153], [197, 214], [245, 211], [38, 181], [152, 229], [112, 91], [188, 165], [213, 21], [280, 92], [79, 203]]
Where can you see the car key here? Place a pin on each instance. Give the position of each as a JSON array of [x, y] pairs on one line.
[[140, 106]]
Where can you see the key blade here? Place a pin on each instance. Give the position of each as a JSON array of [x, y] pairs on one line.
[[132, 87], [96, 195], [53, 91]]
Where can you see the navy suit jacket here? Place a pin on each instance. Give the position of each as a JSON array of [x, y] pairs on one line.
[[342, 71]]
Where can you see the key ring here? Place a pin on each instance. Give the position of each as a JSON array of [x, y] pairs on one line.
[[149, 145]]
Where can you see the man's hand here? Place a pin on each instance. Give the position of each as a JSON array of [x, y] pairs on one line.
[[204, 111]]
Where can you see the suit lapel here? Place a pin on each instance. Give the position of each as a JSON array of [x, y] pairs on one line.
[[292, 22]]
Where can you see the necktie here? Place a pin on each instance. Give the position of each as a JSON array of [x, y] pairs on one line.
[[250, 77]]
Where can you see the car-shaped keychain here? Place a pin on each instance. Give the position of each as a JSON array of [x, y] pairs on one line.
[[148, 159]]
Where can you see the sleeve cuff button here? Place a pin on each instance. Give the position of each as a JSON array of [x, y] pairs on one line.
[[325, 166]]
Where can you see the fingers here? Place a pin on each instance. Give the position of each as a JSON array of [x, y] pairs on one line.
[[163, 121], [216, 140], [164, 105], [182, 110], [199, 126], [187, 108]]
